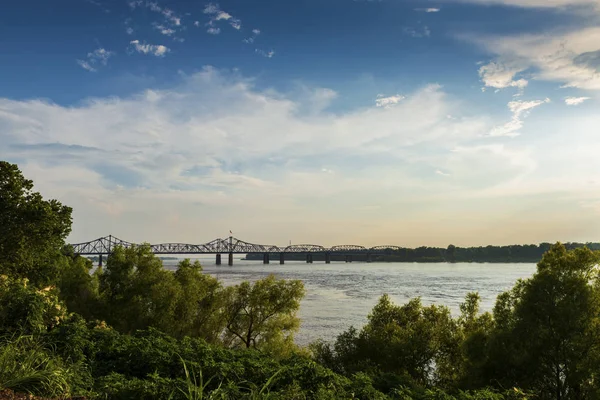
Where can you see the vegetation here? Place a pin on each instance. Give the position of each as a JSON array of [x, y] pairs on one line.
[[529, 253], [134, 330]]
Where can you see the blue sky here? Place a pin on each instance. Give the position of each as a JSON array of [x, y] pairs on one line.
[[334, 121]]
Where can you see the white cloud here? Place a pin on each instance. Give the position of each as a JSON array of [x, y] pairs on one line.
[[96, 58], [213, 30], [171, 17], [267, 54], [214, 150], [500, 76], [520, 110], [428, 10], [222, 15], [575, 101], [86, 65], [216, 15], [571, 59], [216, 141], [163, 29], [197, 23], [129, 31], [153, 49], [388, 101]]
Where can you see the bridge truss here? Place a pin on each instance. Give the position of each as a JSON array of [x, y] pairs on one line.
[[105, 245]]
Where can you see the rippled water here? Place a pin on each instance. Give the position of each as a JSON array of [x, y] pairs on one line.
[[339, 295]]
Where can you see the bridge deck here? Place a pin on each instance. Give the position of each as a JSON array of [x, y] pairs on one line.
[[105, 245]]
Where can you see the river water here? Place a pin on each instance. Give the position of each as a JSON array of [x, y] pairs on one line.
[[339, 295]]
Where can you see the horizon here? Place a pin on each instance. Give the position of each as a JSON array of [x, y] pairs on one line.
[[326, 245], [409, 123]]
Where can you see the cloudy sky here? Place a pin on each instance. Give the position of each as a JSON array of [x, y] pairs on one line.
[[406, 122]]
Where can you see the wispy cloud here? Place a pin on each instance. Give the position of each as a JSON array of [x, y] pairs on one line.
[[163, 29], [575, 101], [86, 65], [171, 17], [216, 15], [267, 54], [389, 101], [98, 4], [428, 10], [500, 76], [251, 39], [536, 3], [572, 59], [152, 49], [95, 59], [418, 32], [520, 110]]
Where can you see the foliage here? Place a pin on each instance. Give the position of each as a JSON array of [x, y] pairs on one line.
[[262, 314], [409, 344], [78, 289], [26, 309], [32, 230], [547, 336]]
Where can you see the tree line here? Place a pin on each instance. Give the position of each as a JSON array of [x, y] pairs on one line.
[[134, 330], [528, 253]]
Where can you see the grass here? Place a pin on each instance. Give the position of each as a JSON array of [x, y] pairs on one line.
[[26, 367], [196, 387]]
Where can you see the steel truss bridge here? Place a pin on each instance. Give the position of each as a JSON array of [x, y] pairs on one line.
[[105, 245]]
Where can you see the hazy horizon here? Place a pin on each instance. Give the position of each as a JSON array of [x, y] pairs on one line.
[[410, 123]]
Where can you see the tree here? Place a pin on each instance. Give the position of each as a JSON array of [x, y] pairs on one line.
[[547, 333], [136, 292], [199, 306], [263, 314], [77, 287], [32, 230]]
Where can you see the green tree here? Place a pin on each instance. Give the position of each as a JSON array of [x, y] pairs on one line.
[[77, 287], [136, 291], [408, 345], [547, 334], [199, 307], [263, 314], [32, 230]]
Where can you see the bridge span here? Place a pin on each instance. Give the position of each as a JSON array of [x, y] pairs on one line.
[[230, 246]]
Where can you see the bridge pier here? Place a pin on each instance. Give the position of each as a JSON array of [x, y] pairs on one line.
[[266, 258], [230, 259], [100, 260], [327, 258], [309, 258], [218, 260], [281, 258], [348, 259]]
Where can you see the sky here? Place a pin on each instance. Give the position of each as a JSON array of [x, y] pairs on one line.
[[368, 122]]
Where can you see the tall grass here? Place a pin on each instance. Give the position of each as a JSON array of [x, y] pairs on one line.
[[25, 366], [195, 387]]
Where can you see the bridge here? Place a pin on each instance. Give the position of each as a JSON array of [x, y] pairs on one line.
[[230, 246]]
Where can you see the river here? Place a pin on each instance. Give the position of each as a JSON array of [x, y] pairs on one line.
[[339, 295]]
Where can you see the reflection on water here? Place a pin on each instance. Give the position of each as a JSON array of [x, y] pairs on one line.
[[339, 295]]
